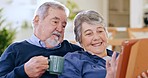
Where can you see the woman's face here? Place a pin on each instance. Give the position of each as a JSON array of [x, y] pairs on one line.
[[94, 38]]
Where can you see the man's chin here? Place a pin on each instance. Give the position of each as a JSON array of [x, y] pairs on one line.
[[52, 42]]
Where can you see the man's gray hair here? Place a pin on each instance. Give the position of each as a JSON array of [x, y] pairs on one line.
[[42, 10], [90, 17]]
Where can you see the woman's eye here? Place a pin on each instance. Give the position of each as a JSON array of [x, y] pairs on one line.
[[100, 31], [88, 34]]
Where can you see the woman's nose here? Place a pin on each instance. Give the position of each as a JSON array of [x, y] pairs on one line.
[[96, 36]]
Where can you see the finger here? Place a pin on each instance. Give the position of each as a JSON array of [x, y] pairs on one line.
[[42, 57], [42, 60], [139, 77], [46, 60], [113, 59], [117, 59], [43, 67], [114, 56], [107, 64], [144, 75], [41, 73]]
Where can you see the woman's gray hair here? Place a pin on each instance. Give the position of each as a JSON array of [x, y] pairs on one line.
[[90, 17], [42, 10]]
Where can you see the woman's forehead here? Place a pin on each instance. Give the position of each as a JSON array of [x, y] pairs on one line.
[[87, 26]]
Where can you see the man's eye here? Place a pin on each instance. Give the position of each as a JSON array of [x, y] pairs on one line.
[[64, 26], [54, 22]]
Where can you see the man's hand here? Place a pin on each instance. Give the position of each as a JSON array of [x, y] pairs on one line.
[[36, 66]]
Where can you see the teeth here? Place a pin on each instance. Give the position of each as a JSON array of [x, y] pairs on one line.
[[98, 44]]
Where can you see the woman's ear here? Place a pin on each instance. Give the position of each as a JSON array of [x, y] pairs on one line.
[[36, 20], [81, 45]]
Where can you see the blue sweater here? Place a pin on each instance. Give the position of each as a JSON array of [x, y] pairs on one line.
[[82, 64], [13, 59]]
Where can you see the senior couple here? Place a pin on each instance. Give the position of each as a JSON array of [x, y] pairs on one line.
[[29, 58]]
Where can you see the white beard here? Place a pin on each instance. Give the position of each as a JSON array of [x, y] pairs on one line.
[[53, 42]]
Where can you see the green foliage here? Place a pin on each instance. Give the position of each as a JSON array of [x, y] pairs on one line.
[[73, 8], [26, 24], [6, 35]]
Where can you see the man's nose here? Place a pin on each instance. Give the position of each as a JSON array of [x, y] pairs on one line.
[[59, 28]]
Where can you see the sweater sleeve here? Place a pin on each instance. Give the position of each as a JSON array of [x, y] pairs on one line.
[[72, 67], [7, 65]]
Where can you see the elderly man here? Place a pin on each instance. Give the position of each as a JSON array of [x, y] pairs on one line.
[[29, 58]]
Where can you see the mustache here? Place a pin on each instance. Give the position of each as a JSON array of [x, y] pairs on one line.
[[57, 34]]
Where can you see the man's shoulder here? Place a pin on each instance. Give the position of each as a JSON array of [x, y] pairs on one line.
[[19, 43], [13, 47], [67, 44]]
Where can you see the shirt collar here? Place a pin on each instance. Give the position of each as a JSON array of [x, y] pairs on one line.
[[36, 41]]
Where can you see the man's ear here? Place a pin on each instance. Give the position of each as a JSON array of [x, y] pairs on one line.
[[36, 20]]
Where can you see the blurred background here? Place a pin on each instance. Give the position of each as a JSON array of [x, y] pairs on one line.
[[123, 17]]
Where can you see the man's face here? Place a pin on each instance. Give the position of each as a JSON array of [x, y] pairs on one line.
[[94, 38], [51, 29]]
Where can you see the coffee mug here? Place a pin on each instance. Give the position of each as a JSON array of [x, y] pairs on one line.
[[56, 64]]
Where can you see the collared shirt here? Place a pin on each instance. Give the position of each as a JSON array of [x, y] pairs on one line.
[[36, 41]]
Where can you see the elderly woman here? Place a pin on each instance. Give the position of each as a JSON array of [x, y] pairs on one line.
[[92, 35]]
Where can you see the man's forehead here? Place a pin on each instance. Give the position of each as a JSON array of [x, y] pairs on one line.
[[56, 18]]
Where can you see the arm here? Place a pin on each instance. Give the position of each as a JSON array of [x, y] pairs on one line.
[[71, 69], [10, 67], [7, 66]]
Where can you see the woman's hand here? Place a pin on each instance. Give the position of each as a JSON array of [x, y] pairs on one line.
[[111, 66], [143, 75]]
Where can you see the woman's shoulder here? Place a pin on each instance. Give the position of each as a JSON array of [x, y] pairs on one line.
[[73, 55], [74, 59]]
